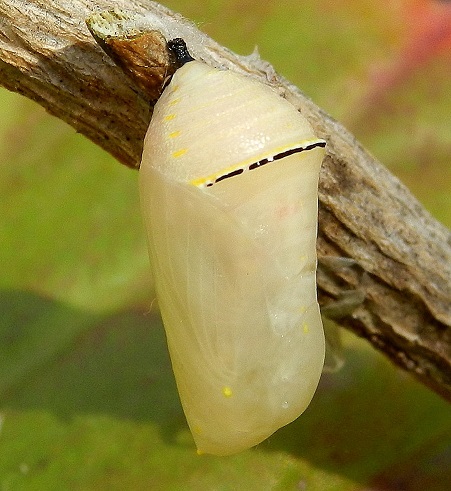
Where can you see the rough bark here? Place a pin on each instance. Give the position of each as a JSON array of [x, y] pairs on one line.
[[395, 256]]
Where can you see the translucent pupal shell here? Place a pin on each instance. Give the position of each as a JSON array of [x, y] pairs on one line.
[[228, 186]]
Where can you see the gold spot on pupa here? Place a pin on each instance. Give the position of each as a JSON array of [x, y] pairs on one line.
[[174, 102], [227, 391], [169, 117], [179, 153], [305, 327], [174, 134], [303, 258]]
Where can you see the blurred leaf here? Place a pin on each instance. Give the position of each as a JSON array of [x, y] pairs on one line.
[[70, 224], [28, 338], [103, 413]]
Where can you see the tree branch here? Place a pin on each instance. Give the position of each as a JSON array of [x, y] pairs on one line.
[[399, 257]]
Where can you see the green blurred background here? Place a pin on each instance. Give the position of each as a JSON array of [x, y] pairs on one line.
[[87, 396]]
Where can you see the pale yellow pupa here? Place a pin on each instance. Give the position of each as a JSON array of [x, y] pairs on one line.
[[228, 186]]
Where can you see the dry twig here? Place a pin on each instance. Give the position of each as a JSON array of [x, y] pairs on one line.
[[399, 256]]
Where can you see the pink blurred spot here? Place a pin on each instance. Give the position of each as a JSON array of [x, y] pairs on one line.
[[428, 34]]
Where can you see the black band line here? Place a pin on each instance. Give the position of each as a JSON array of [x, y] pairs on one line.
[[267, 160]]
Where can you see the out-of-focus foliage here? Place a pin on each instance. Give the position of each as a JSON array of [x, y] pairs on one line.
[[87, 396]]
